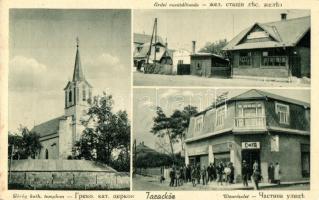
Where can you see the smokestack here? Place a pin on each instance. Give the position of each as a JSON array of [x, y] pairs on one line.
[[283, 16], [194, 47]]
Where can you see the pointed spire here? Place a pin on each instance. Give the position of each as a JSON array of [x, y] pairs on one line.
[[78, 73]]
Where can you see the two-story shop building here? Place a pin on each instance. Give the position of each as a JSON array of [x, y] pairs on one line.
[[255, 125]]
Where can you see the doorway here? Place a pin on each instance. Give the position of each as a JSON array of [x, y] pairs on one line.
[[250, 156], [194, 160]]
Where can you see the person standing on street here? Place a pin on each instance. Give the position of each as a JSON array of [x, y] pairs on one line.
[[204, 175], [232, 173], [256, 177], [209, 173], [245, 173], [277, 173], [271, 173], [220, 172], [194, 175]]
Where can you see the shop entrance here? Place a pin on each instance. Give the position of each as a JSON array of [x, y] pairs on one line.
[[194, 160], [250, 156]]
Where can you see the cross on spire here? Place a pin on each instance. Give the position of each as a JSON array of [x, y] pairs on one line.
[[77, 42], [78, 73]]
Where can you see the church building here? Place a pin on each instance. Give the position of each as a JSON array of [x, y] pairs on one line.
[[59, 135]]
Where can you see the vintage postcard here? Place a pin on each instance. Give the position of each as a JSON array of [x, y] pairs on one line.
[[158, 99]]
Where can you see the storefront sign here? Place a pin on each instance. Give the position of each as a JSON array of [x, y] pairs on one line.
[[250, 145]]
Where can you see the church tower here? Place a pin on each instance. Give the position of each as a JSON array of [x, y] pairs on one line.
[[77, 93]]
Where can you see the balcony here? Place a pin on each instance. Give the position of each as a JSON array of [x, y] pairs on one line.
[[250, 122]]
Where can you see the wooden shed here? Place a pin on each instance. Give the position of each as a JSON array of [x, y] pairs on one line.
[[209, 65]]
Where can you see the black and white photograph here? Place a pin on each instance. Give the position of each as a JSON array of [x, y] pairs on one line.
[[237, 47], [69, 99], [221, 139]]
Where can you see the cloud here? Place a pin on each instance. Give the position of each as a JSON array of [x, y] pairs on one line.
[[105, 58], [26, 73], [106, 65]]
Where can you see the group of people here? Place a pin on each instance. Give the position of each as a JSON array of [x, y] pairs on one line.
[[221, 173], [196, 174], [273, 174]]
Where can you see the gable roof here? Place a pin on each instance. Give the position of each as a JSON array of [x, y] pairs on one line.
[[142, 54], [49, 127], [141, 38], [285, 33]]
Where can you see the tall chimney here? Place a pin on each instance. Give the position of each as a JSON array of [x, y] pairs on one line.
[[194, 47], [283, 16]]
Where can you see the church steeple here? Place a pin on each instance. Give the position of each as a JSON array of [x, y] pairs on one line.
[[79, 90], [78, 72]]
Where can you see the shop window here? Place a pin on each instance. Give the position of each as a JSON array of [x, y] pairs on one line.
[[220, 116], [199, 123], [282, 111], [245, 58], [222, 157], [250, 115], [274, 58]]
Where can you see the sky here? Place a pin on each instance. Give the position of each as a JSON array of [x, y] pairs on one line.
[[42, 48], [181, 27], [145, 102]]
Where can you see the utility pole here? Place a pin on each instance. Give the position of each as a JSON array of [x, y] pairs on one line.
[[155, 30]]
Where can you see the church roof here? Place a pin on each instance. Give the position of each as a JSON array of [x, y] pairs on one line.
[[49, 127], [59, 165], [78, 72]]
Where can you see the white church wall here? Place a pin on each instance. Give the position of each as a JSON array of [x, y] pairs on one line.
[[52, 145], [65, 141]]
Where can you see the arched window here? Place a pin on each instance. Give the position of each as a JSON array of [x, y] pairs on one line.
[[70, 96], [46, 154], [84, 93], [90, 94]]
